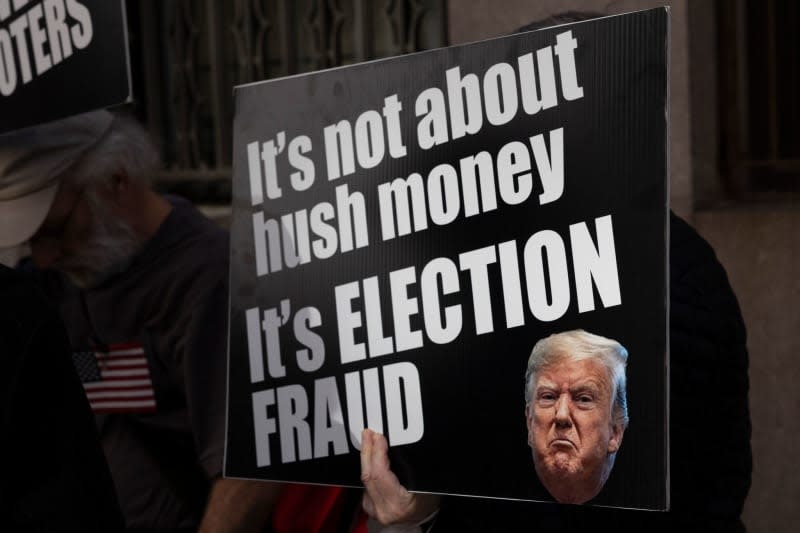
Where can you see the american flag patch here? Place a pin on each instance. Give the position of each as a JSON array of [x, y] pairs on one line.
[[116, 379]]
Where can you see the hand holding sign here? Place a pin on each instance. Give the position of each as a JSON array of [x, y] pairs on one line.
[[385, 499]]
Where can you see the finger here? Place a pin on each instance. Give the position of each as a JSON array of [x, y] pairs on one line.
[[380, 483], [368, 505], [366, 455], [383, 482], [380, 457]]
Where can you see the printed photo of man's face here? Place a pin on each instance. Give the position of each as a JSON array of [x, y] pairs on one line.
[[576, 412]]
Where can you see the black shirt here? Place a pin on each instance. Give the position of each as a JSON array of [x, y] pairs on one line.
[[54, 476]]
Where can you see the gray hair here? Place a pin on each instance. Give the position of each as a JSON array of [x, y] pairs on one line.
[[125, 147], [577, 345]]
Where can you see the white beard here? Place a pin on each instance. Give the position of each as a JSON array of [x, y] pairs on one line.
[[108, 251]]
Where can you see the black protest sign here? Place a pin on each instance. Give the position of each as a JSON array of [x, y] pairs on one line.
[[60, 58], [404, 231]]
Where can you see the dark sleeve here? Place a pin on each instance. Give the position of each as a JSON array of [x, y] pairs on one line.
[[710, 420], [56, 477], [206, 374]]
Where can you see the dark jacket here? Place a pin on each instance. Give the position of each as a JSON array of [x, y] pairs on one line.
[[54, 477]]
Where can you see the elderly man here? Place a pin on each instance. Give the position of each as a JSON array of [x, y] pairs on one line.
[[576, 412], [145, 312]]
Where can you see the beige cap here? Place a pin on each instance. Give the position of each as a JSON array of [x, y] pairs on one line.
[[31, 162]]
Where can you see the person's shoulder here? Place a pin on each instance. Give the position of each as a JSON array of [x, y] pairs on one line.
[[190, 229], [696, 275], [20, 296], [24, 311], [188, 256], [187, 214], [688, 250], [186, 244], [11, 280]]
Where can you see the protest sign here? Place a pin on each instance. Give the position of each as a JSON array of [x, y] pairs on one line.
[[405, 230], [60, 58]]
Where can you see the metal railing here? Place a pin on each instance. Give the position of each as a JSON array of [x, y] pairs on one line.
[[190, 53]]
